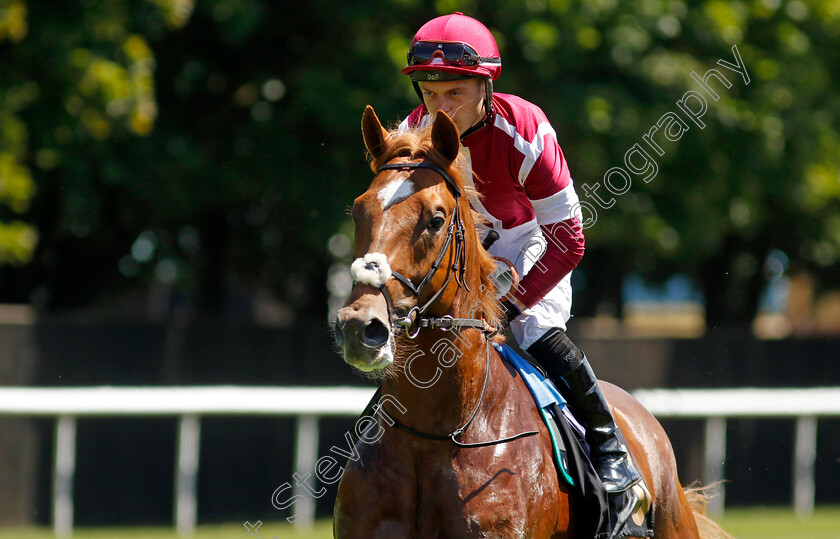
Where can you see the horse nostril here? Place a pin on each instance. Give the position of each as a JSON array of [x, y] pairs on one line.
[[339, 334], [375, 334]]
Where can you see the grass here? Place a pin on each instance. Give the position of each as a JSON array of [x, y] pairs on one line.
[[752, 523], [321, 530], [778, 523]]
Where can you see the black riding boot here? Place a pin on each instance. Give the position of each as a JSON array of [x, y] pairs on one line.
[[570, 370]]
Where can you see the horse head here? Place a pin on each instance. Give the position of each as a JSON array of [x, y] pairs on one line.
[[416, 246]]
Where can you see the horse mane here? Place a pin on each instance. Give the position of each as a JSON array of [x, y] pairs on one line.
[[416, 144]]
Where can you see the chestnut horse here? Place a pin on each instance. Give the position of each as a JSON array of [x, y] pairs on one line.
[[457, 447]]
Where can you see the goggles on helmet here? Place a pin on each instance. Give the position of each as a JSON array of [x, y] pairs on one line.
[[454, 54]]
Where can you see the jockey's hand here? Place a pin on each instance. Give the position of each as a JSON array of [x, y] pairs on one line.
[[509, 312]]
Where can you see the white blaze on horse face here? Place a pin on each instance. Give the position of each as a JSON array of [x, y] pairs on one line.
[[396, 191]]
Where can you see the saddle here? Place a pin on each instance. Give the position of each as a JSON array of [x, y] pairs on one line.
[[571, 456]]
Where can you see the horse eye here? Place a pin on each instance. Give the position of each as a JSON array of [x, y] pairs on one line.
[[436, 222]]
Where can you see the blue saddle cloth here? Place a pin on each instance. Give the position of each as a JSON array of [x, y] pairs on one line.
[[567, 441], [550, 404], [544, 391]]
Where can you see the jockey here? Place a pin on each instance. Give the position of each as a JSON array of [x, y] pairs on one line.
[[528, 197]]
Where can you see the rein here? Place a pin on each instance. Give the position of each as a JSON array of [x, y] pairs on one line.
[[455, 230], [460, 430]]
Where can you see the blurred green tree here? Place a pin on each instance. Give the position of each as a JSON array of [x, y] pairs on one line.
[[77, 83], [17, 238], [761, 175], [215, 147]]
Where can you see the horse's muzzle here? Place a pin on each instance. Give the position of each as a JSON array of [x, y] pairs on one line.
[[365, 336], [371, 334]]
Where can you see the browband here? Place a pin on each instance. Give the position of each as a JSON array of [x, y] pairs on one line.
[[424, 164]]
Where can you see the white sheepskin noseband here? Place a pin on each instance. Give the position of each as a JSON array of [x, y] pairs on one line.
[[372, 269]]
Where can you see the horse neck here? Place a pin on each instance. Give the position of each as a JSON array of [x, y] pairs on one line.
[[441, 379]]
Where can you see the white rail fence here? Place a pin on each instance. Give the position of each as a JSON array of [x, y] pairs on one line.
[[308, 404]]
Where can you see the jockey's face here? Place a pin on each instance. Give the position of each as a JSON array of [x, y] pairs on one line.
[[462, 100]]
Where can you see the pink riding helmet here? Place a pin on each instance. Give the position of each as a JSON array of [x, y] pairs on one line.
[[453, 46]]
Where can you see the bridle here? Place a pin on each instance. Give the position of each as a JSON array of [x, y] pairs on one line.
[[454, 231]]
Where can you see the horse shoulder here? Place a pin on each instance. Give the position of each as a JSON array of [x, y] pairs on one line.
[[513, 485], [374, 496]]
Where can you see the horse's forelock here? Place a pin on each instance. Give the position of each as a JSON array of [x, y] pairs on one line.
[[417, 144], [413, 144]]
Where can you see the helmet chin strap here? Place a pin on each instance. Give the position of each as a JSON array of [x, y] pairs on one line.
[[488, 109], [418, 91]]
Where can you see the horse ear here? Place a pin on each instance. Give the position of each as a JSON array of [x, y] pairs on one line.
[[445, 136], [373, 133]]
